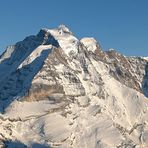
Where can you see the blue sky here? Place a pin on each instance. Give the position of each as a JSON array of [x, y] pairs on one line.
[[118, 24]]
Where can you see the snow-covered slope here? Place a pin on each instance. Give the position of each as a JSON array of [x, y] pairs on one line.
[[58, 91]]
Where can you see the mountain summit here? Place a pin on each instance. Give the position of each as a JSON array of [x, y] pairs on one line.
[[58, 91]]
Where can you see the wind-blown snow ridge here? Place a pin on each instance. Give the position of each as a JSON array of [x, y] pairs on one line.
[[58, 91]]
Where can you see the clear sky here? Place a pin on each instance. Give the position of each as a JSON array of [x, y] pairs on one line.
[[118, 24]]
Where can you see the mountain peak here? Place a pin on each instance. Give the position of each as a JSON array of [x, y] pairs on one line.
[[90, 43], [63, 36], [64, 29], [61, 29]]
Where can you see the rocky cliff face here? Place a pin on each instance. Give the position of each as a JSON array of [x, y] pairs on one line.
[[58, 91]]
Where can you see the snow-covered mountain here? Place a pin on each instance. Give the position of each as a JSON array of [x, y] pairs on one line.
[[59, 91]]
